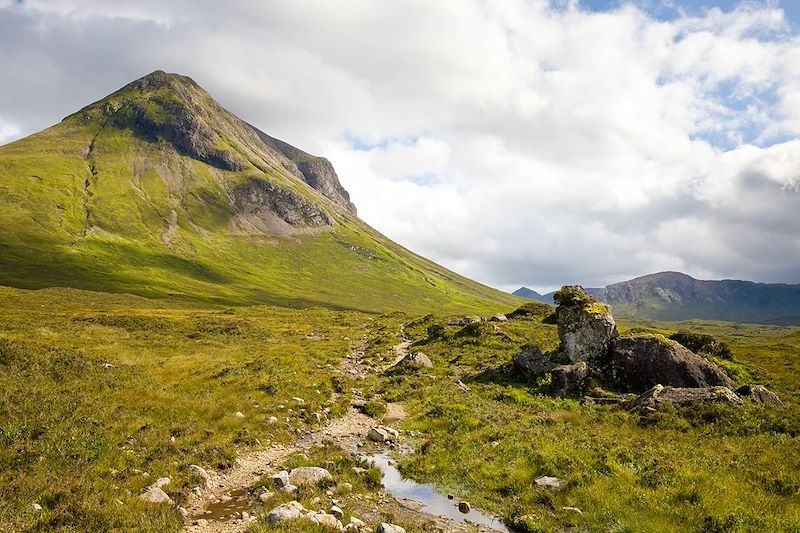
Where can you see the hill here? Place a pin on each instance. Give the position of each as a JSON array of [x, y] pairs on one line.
[[675, 296], [156, 190], [531, 294]]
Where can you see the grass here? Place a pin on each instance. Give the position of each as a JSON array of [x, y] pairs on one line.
[[714, 468], [94, 386]]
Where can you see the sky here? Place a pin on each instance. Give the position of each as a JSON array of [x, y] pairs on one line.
[[518, 142]]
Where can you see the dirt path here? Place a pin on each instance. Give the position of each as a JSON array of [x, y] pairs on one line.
[[224, 489]]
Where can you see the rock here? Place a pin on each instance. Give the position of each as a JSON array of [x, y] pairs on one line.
[[344, 488], [199, 471], [586, 331], [660, 395], [37, 507], [760, 394], [414, 361], [201, 522], [357, 470], [357, 522], [572, 510], [390, 528], [289, 489], [238, 414], [464, 506], [265, 496], [499, 317], [288, 511], [183, 512], [569, 379], [306, 476], [378, 434], [161, 482], [245, 515], [532, 362], [336, 511], [155, 495], [298, 400], [639, 363], [280, 479], [549, 482], [272, 420], [326, 520]]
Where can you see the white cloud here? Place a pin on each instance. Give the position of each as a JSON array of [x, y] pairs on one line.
[[8, 131], [513, 141]]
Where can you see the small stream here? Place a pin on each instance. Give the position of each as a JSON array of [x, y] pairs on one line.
[[433, 502]]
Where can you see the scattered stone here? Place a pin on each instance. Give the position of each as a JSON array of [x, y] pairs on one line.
[[572, 510], [326, 520], [760, 394], [238, 414], [378, 434], [532, 362], [357, 522], [357, 470], [287, 511], [660, 395], [344, 488], [155, 495], [272, 420], [390, 528], [639, 363], [549, 482], [499, 317], [464, 506], [290, 489], [161, 483], [280, 479], [414, 361], [336, 511], [199, 471], [586, 328], [119, 502], [569, 379], [298, 400], [183, 512], [265, 496], [450, 496], [37, 507], [202, 522], [309, 476]]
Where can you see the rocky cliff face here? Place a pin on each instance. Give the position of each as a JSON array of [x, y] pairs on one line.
[[317, 172]]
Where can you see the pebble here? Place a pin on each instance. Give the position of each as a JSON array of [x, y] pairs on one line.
[[238, 414], [464, 506], [37, 507]]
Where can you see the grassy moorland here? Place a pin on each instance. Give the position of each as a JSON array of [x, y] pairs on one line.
[[94, 386]]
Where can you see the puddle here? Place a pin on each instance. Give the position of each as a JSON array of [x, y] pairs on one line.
[[222, 511], [433, 502]]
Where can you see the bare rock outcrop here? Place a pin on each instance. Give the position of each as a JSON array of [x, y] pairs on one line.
[[760, 394], [586, 328], [638, 363], [661, 395], [569, 379], [530, 361]]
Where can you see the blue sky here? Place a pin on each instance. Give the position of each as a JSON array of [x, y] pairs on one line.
[[667, 9]]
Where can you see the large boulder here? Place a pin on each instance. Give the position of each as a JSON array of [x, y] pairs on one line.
[[639, 363], [569, 379], [531, 362], [585, 327], [661, 395]]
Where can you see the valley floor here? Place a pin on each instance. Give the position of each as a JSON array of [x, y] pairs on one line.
[[102, 394]]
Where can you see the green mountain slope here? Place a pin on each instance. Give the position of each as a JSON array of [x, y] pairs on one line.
[[675, 296], [156, 190]]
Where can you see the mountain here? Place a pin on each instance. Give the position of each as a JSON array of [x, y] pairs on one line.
[[157, 190], [675, 296], [530, 294]]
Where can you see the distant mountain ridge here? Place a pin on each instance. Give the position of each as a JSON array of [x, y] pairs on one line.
[[673, 296]]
